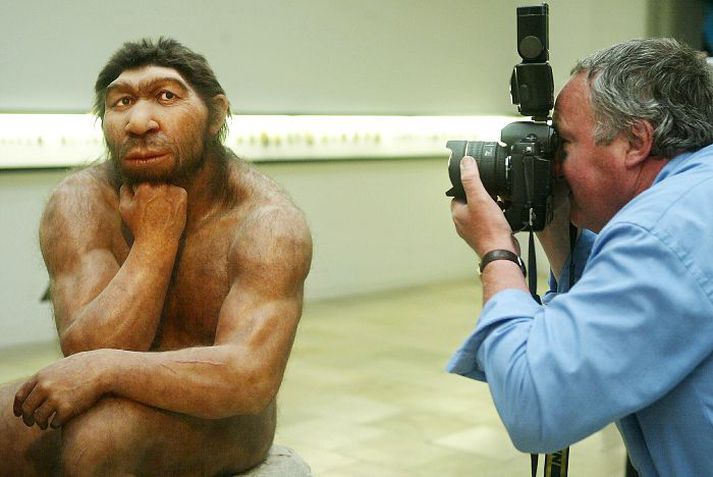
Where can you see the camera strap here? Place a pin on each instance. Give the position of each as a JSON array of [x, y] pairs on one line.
[[532, 267], [556, 463]]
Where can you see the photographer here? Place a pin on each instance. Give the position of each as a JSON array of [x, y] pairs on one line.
[[632, 341]]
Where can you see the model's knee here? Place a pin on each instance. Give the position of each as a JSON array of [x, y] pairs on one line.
[[100, 441]]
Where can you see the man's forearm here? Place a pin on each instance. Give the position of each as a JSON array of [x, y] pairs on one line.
[[555, 243], [555, 237], [125, 315], [501, 275], [207, 382]]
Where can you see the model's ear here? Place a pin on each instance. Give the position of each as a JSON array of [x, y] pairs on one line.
[[219, 113], [641, 140]]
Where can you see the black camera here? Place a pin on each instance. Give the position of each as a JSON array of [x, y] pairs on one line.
[[520, 170]]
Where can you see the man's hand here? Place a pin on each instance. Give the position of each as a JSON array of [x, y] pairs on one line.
[[153, 211], [64, 389], [555, 236], [480, 222]]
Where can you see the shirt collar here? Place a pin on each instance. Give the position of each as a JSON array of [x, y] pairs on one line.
[[681, 163]]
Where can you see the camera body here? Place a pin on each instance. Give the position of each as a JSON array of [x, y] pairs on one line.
[[520, 171]]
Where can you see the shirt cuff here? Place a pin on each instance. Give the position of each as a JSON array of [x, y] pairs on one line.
[[496, 311]]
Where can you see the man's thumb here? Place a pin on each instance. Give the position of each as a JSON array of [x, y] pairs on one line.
[[469, 175]]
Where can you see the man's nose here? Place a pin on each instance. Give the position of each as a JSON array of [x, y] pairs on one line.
[[141, 119]]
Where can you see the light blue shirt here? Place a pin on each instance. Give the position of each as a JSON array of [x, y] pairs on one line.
[[631, 342]]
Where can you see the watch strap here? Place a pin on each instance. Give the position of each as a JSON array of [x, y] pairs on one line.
[[499, 254]]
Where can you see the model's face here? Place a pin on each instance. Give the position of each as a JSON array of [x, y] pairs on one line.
[[595, 172], [155, 125]]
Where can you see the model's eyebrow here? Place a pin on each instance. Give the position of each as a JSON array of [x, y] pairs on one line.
[[122, 85]]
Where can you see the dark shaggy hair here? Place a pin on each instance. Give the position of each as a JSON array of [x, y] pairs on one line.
[[168, 53]]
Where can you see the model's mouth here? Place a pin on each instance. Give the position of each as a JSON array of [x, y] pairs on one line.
[[138, 156]]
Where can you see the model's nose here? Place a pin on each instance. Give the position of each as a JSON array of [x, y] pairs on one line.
[[141, 119]]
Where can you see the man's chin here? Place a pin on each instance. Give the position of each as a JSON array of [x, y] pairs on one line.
[[579, 221]]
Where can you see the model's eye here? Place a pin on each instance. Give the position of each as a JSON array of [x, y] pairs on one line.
[[123, 101], [166, 96]]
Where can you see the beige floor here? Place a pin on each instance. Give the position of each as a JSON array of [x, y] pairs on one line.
[[365, 394]]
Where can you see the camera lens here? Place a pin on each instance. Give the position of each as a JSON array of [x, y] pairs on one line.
[[492, 164], [492, 160]]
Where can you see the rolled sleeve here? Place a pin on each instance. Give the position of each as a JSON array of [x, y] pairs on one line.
[[496, 313]]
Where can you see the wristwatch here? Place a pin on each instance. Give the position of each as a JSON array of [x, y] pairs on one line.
[[502, 255]]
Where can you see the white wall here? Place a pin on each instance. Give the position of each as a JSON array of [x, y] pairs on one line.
[[23, 279], [306, 56], [376, 224]]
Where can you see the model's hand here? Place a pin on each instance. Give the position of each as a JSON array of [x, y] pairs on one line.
[[62, 390], [153, 211], [480, 222]]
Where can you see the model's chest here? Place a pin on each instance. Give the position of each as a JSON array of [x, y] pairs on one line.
[[198, 287]]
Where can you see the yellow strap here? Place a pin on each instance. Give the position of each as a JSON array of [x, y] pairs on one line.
[[556, 463]]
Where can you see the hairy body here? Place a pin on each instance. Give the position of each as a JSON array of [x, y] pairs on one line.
[[176, 308]]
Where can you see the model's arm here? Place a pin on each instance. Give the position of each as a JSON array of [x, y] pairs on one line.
[[240, 374], [98, 301]]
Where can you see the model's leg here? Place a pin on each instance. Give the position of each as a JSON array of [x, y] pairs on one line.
[[122, 437], [26, 451]]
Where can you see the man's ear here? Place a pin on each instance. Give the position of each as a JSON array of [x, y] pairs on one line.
[[641, 140], [219, 109]]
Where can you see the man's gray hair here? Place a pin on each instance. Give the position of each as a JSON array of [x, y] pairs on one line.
[[658, 80]]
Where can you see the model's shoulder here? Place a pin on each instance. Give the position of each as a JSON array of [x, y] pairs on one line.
[[89, 183], [258, 196], [272, 243], [80, 214], [250, 183], [83, 193], [265, 213]]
